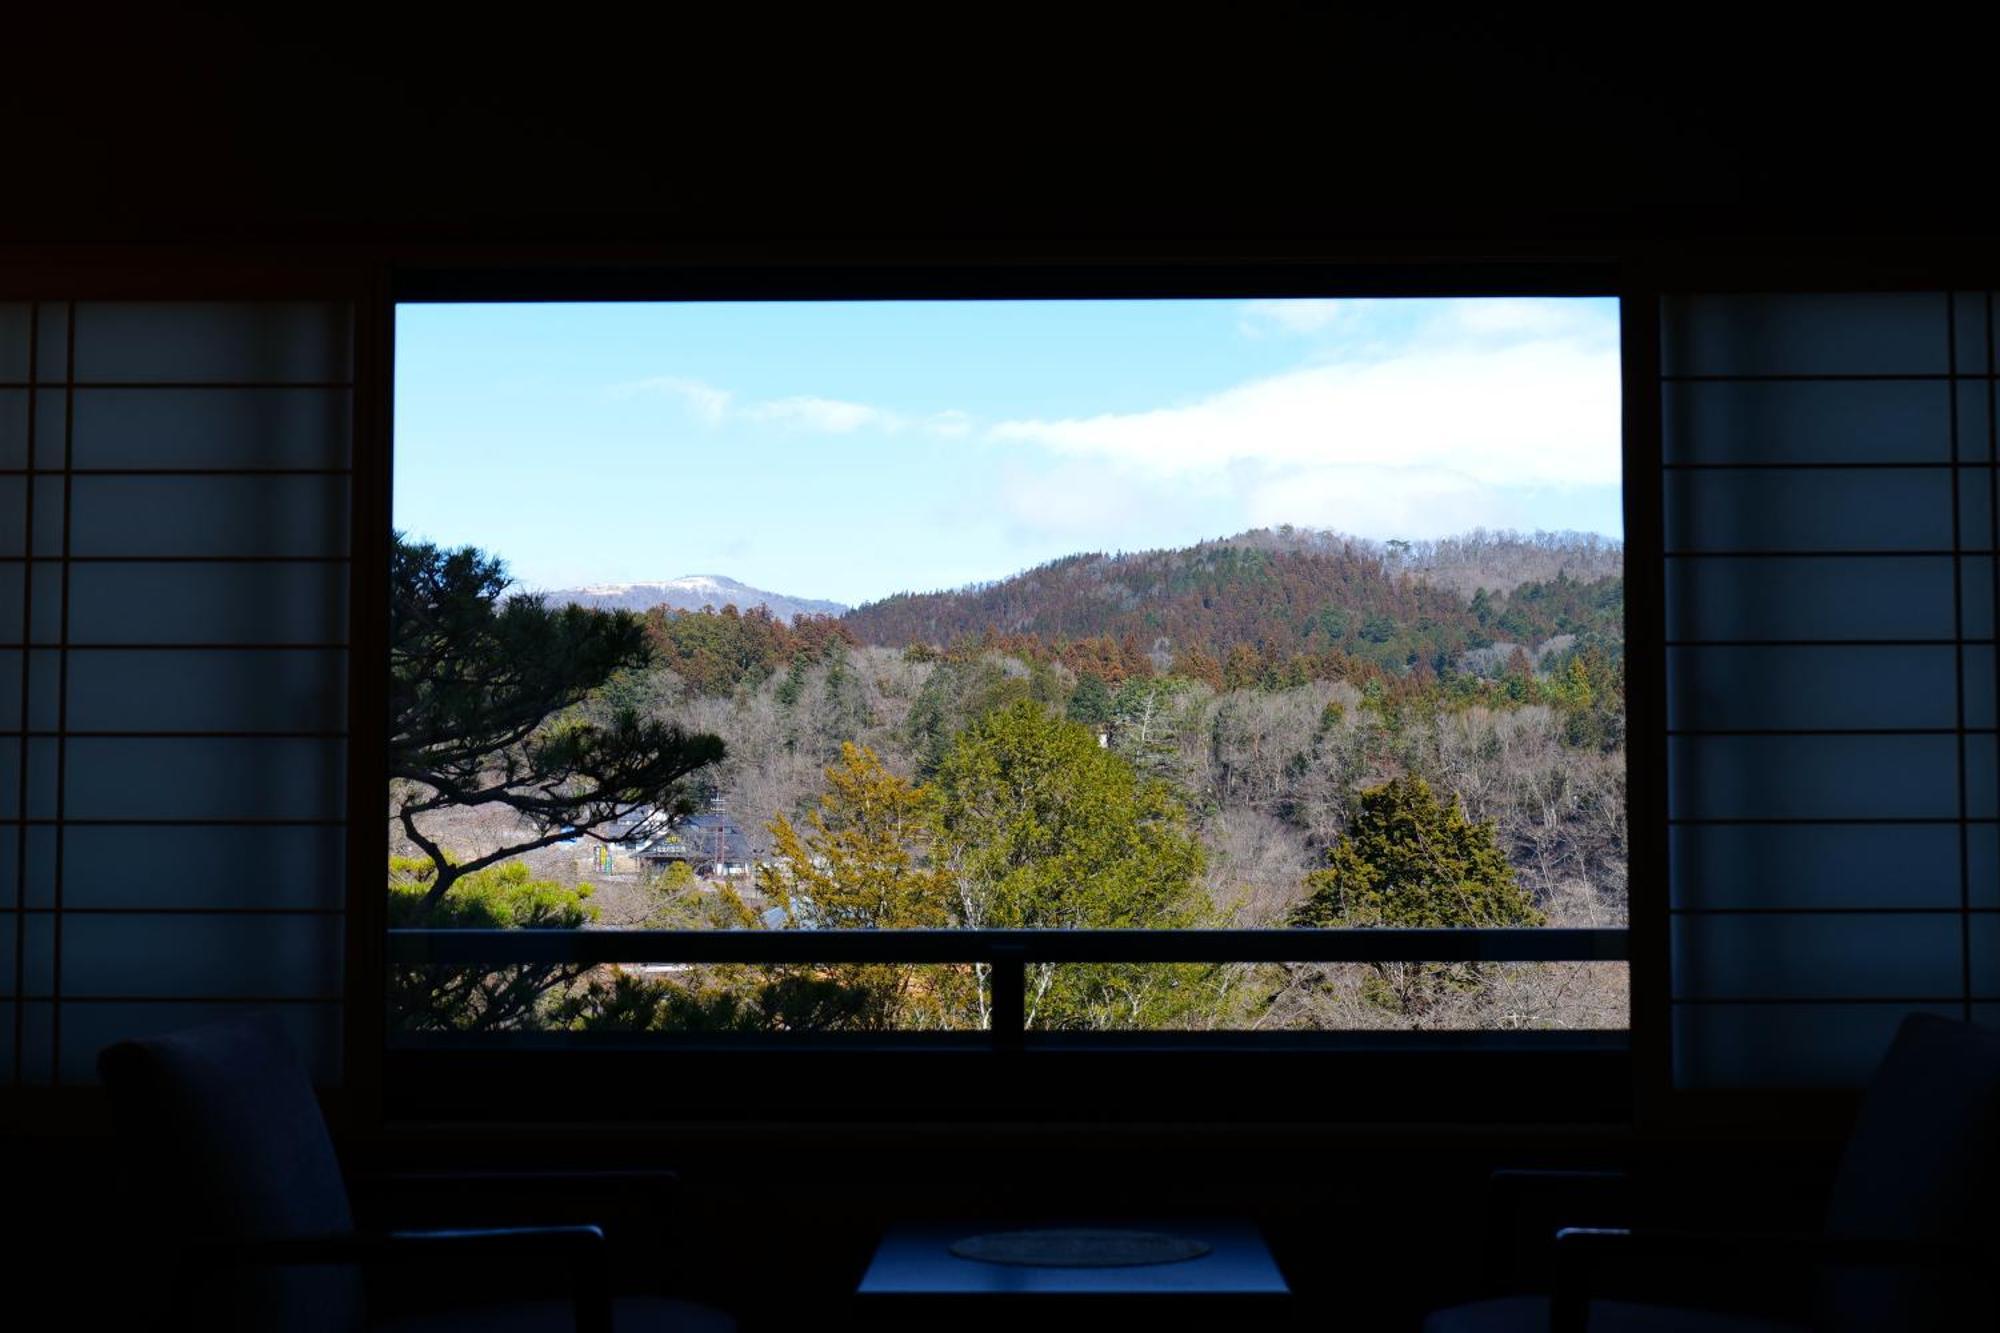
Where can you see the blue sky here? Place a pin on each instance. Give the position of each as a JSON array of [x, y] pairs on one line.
[[851, 450]]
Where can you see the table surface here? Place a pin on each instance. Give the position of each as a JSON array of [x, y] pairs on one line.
[[915, 1259]]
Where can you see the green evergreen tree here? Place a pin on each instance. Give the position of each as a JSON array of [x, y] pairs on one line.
[[499, 897], [956, 694], [1409, 859], [484, 695], [1090, 701], [1378, 628], [1041, 827]]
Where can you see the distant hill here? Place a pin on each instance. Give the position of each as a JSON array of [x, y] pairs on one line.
[[1284, 591], [692, 593]]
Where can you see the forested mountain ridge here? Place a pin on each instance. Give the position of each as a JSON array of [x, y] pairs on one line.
[[1282, 593]]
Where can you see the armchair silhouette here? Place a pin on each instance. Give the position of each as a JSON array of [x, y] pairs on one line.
[[1911, 1239], [225, 1130]]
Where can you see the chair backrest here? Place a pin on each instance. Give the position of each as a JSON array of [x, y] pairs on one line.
[[228, 1141], [1922, 1163]]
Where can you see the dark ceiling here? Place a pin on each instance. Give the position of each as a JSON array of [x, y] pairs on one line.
[[1247, 126]]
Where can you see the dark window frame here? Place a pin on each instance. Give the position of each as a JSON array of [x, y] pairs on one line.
[[1637, 269], [1121, 1078]]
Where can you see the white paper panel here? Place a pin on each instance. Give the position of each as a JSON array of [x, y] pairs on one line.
[[212, 428], [1793, 421], [205, 779], [1819, 956], [1827, 597], [52, 348], [38, 866], [87, 1028], [207, 690], [1874, 509], [1812, 687], [1813, 777], [1821, 865], [208, 516], [141, 603], [137, 953], [13, 341], [209, 866], [250, 342], [1785, 1046], [1834, 333], [13, 428]]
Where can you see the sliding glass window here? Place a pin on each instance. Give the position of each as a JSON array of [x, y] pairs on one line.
[[1003, 669]]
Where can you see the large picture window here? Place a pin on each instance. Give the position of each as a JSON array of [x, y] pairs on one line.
[[790, 667]]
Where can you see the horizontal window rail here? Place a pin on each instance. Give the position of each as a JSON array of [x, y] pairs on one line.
[[1006, 954], [1018, 947]]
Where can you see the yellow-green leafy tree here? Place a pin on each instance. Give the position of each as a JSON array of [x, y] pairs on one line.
[[862, 860]]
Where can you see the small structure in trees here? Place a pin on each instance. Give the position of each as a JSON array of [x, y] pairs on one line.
[[711, 843]]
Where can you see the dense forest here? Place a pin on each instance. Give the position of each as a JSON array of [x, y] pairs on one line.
[[1255, 725], [1232, 612]]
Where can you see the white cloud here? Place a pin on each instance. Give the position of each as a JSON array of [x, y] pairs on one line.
[[810, 412], [1439, 417], [1530, 317], [1257, 318], [1080, 503], [1486, 413], [1537, 413], [950, 425], [1380, 501], [833, 415], [704, 400]]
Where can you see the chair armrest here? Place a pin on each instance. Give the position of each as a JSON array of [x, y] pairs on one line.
[[1525, 1205], [1854, 1251], [582, 1246], [1581, 1251]]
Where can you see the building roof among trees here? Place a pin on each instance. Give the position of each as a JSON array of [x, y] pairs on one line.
[[709, 836]]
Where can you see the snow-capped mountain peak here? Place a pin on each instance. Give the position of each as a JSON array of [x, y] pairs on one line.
[[691, 592]]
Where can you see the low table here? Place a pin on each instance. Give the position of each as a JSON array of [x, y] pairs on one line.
[[915, 1277]]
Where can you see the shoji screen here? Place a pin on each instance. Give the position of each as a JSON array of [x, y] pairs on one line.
[[173, 586], [1829, 503]]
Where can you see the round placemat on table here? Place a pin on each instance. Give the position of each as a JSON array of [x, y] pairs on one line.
[[1055, 1247]]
